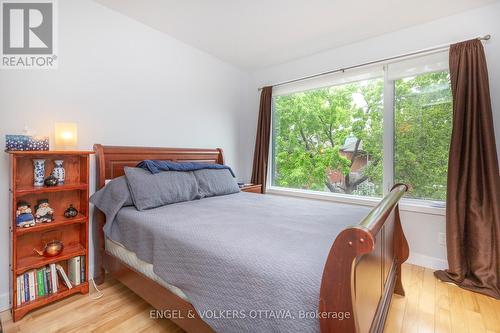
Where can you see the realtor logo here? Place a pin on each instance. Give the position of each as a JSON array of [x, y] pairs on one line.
[[28, 31]]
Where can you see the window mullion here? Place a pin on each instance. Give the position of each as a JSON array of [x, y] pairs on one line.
[[388, 139]]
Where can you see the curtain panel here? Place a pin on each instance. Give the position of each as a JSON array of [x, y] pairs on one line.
[[473, 194], [261, 152]]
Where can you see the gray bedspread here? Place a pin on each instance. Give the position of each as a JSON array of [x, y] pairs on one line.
[[247, 262]]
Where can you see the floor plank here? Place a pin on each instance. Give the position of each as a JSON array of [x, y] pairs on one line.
[[429, 306], [442, 309], [413, 294], [458, 322], [426, 308]]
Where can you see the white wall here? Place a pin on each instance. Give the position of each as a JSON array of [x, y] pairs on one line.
[[125, 84], [422, 230]]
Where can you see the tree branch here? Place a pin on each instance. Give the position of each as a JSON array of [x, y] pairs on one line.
[[308, 148], [355, 152], [368, 107], [358, 181], [328, 131], [333, 188], [330, 186], [330, 137]]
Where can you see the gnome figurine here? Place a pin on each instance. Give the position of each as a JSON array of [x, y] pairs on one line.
[[24, 217], [44, 213]]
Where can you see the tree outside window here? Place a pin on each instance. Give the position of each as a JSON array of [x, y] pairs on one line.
[[331, 139]]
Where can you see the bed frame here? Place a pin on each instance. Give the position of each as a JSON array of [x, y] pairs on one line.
[[362, 271]]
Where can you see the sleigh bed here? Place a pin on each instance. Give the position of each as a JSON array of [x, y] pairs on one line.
[[361, 268]]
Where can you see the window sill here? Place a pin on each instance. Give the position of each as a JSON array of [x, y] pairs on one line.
[[407, 205]]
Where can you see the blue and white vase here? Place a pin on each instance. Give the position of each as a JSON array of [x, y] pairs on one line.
[[59, 172], [38, 172]]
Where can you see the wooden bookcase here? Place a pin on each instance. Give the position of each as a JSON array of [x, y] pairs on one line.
[[74, 231]]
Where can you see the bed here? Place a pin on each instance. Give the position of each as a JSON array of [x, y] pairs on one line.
[[356, 267]]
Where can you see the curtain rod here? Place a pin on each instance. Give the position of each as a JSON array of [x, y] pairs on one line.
[[405, 55]]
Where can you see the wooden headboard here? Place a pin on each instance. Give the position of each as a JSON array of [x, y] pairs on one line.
[[111, 160]]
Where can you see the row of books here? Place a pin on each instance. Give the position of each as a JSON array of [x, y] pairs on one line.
[[44, 281]]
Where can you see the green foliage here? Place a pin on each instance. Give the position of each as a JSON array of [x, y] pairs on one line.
[[311, 127], [423, 122]]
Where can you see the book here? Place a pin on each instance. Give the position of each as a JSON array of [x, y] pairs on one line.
[[44, 281], [26, 287], [53, 276], [31, 281], [82, 269], [40, 278], [63, 275], [74, 270], [35, 282], [18, 289], [22, 288], [47, 281]]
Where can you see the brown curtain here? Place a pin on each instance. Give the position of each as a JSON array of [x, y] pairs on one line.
[[261, 152], [473, 201]]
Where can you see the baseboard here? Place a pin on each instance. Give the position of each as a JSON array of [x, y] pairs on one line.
[[4, 302], [427, 261]]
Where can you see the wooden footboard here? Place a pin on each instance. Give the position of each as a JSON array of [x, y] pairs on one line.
[[363, 270]]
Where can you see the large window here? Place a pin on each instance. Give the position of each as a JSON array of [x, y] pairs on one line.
[[330, 134]]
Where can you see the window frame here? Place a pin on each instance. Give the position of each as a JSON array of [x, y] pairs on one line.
[[407, 204]]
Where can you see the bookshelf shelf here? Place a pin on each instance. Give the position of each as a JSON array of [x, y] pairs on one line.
[[21, 310], [59, 221], [72, 232], [21, 190], [36, 261]]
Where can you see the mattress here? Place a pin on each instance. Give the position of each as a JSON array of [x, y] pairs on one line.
[[130, 258]]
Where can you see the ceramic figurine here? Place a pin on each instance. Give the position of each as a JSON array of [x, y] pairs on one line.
[[50, 181], [44, 213], [59, 172], [70, 212], [24, 217], [38, 172]]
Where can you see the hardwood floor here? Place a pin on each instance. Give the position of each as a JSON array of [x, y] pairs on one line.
[[429, 306], [119, 310], [434, 306]]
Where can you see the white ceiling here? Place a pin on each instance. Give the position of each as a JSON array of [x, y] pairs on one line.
[[253, 34]]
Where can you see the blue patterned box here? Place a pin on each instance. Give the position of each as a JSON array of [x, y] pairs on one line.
[[26, 142]]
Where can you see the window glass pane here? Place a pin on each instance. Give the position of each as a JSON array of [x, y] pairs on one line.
[[423, 121], [434, 62], [330, 139]]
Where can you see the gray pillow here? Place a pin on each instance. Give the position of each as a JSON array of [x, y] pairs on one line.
[[153, 190], [111, 198], [214, 182]]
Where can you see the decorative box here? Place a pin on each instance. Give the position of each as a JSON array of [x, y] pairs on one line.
[[26, 142]]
